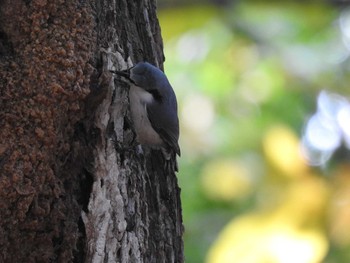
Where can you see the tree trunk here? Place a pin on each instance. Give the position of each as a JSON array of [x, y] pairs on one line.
[[73, 185]]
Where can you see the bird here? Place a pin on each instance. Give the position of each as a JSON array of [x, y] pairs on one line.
[[153, 107]]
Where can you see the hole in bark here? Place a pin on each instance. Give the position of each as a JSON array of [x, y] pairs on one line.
[[86, 188], [79, 252], [122, 158], [127, 124]]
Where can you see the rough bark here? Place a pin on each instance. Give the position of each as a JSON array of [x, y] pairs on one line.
[[73, 186]]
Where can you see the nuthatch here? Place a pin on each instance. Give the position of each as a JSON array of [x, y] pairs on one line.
[[153, 108]]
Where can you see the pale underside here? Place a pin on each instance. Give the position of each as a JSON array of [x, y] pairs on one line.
[[145, 133]]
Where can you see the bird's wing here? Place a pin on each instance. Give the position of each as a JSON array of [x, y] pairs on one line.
[[165, 124]]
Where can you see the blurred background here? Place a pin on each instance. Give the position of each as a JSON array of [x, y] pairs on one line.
[[263, 93]]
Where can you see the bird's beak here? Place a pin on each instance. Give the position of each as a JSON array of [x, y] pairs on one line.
[[123, 73]]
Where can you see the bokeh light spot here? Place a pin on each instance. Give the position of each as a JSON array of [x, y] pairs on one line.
[[262, 239], [327, 128], [197, 113], [192, 46], [281, 147], [343, 118], [322, 134], [226, 180]]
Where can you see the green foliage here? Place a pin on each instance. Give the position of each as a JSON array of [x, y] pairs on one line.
[[247, 79]]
